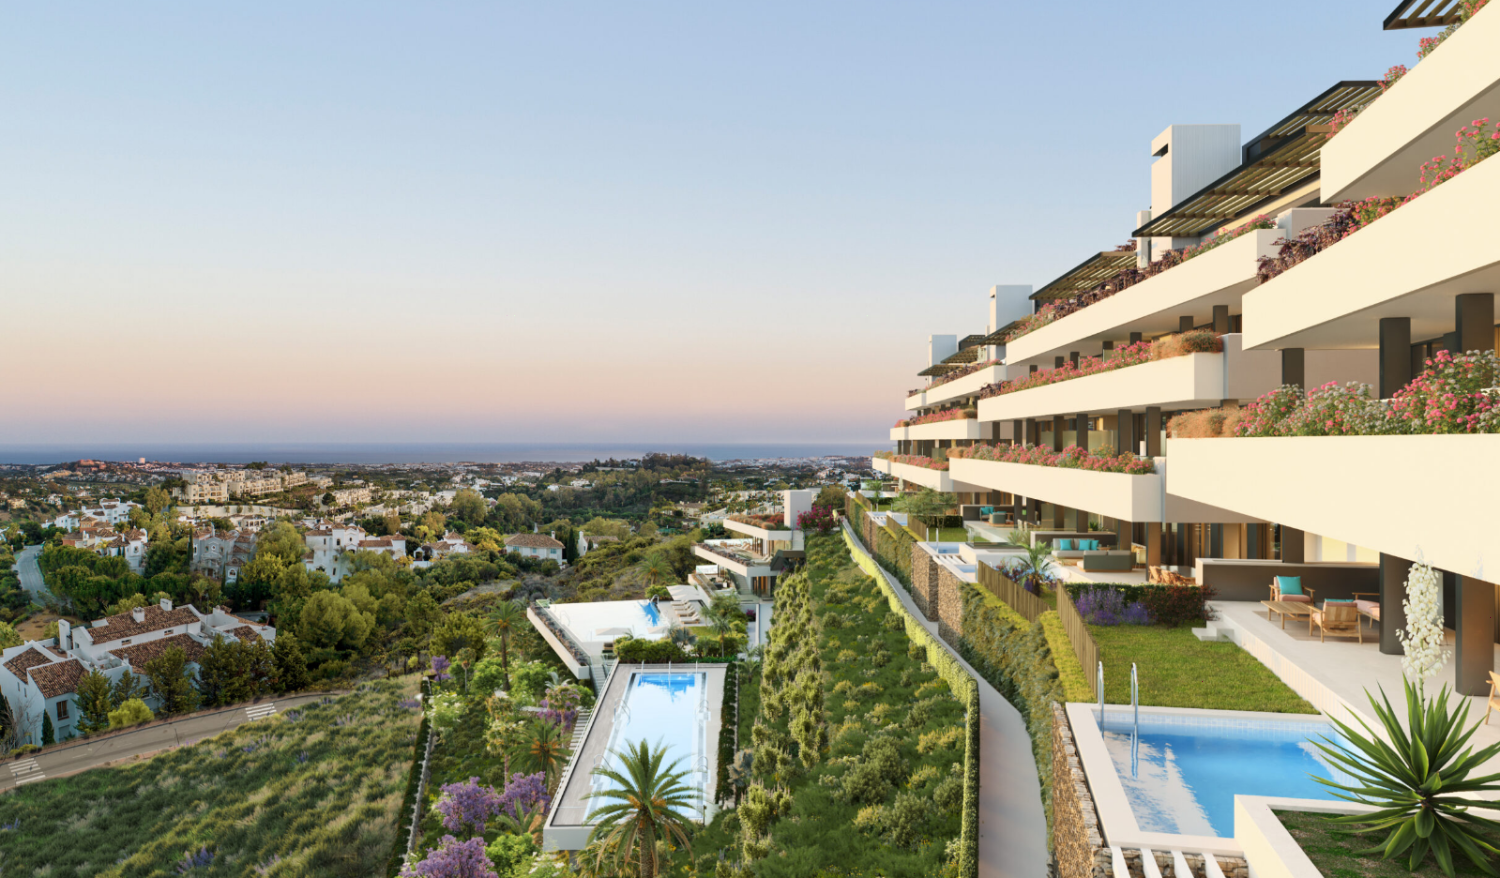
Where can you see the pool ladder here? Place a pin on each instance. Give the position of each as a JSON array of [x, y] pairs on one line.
[[1135, 710]]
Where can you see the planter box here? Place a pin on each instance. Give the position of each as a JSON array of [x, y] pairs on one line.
[[1382, 150], [936, 479], [880, 465], [1219, 277], [1408, 496], [1192, 381], [1117, 495], [969, 385], [743, 568], [783, 534], [1410, 263]]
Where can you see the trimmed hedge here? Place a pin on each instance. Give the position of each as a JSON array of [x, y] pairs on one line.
[[1075, 683], [728, 727], [1170, 605], [962, 685], [409, 800], [1015, 657]]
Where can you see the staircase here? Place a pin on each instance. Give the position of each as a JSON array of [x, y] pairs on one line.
[[600, 674], [579, 726]]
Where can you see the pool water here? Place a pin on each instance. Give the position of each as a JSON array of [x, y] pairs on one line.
[[1184, 775], [664, 709]]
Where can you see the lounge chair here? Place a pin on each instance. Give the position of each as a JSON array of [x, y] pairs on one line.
[[1370, 609], [1336, 619], [1494, 697], [1306, 597]]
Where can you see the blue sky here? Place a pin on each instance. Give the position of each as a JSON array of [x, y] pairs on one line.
[[575, 222]]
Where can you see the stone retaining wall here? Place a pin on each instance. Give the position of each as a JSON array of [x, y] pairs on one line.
[[1078, 843], [924, 582], [949, 604]]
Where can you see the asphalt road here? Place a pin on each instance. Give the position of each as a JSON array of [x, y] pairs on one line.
[[88, 754], [30, 573]]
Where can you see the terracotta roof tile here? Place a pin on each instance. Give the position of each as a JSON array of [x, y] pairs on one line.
[[25, 661], [141, 653], [533, 541], [125, 625], [58, 678]]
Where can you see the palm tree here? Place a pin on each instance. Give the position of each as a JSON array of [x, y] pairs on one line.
[[655, 567], [507, 618], [540, 747], [645, 805]]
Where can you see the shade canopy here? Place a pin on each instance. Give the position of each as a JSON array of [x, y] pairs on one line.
[[1087, 274], [1423, 13]]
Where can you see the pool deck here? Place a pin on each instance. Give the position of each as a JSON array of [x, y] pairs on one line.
[[1334, 675], [565, 828]]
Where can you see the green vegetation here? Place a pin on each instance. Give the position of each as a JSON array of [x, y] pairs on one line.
[[648, 800], [862, 753], [1173, 665], [1341, 851], [313, 792], [1070, 672]]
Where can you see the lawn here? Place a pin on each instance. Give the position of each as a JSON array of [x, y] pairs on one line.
[[313, 792], [1338, 856], [950, 535], [877, 692], [1176, 669]]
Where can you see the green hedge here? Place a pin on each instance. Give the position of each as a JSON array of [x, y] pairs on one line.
[[963, 686], [1017, 660], [1075, 682], [728, 724]]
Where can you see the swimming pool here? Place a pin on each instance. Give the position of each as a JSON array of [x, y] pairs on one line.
[[1184, 774], [666, 709]]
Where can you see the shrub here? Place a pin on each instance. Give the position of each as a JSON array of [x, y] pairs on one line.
[[1106, 606], [649, 651], [1072, 457], [1170, 605]]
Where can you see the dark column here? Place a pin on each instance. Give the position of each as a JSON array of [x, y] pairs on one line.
[[1221, 319], [1034, 368], [1081, 429], [1184, 323], [1216, 541], [1135, 337], [1153, 431], [1059, 517], [1018, 512], [1125, 431], [1474, 322], [1475, 650], [1124, 533], [1073, 358], [1292, 546], [1252, 541], [1058, 361], [1059, 424], [1033, 432], [1153, 543], [1418, 359], [1294, 366], [1109, 348], [1018, 431], [1395, 355]]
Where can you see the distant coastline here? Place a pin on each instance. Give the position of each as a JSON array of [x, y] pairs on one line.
[[417, 452]]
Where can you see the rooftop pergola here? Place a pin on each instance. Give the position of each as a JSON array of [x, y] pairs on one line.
[[1087, 274], [1423, 13], [1285, 156]]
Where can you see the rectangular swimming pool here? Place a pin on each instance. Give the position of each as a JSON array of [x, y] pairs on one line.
[[1185, 771], [663, 708]]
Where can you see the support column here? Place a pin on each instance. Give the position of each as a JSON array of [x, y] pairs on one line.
[[1135, 337], [1124, 533], [1153, 543], [1125, 432], [1018, 510], [1221, 319], [1293, 547], [1474, 653], [1185, 323], [1081, 431], [1057, 361], [1059, 516], [1059, 424], [1109, 348], [1474, 322], [1216, 541], [1395, 355], [1034, 369], [1294, 366], [1153, 431], [1073, 358], [1018, 431]]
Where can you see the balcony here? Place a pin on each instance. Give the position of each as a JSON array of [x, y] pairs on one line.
[[959, 388], [937, 480], [1410, 263], [957, 428], [739, 556], [760, 532], [1219, 277], [1116, 495], [1379, 154], [1415, 497]]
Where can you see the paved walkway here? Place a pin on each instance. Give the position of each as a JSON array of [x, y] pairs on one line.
[[158, 736], [1012, 822]]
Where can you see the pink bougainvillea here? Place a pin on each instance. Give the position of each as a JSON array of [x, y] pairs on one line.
[[938, 417], [913, 460], [1072, 457]]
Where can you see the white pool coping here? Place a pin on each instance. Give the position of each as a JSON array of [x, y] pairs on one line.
[[1116, 817]]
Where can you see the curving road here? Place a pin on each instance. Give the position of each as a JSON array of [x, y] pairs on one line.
[[30, 573]]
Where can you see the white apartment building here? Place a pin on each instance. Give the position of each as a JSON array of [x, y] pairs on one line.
[[111, 512], [219, 486], [331, 545], [221, 556]]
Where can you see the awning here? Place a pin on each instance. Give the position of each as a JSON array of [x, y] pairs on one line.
[[1282, 158], [1087, 274], [939, 369], [1423, 13], [963, 357]]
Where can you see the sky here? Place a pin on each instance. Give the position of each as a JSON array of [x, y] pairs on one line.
[[576, 222]]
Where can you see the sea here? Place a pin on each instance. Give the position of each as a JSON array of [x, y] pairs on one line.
[[417, 452]]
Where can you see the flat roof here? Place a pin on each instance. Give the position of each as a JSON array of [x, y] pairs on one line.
[[1284, 156], [1423, 13], [1087, 274]]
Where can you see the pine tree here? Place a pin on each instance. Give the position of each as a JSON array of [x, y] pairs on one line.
[[94, 703], [49, 735], [291, 667]]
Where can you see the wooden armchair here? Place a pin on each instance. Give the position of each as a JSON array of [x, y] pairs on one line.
[[1368, 605], [1336, 619], [1494, 697], [1308, 595]]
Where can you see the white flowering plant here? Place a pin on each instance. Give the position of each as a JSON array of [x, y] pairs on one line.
[[1422, 639]]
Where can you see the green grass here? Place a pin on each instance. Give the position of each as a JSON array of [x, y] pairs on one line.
[[322, 792], [1176, 669], [1338, 856], [819, 838], [949, 535]]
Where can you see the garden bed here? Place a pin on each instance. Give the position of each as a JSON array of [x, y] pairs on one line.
[[1340, 856], [1176, 669]]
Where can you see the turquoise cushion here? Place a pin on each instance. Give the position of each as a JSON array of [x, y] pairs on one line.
[[986, 510], [1332, 601], [1065, 545], [1093, 545], [1289, 584]]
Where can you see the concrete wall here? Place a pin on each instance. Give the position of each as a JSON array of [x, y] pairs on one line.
[[1250, 580]]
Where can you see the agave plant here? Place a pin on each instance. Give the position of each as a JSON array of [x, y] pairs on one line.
[[1417, 779]]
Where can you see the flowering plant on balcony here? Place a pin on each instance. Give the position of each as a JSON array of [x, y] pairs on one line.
[[1454, 395], [1072, 457], [1129, 277], [913, 460], [1176, 345], [766, 521], [957, 414], [819, 519], [957, 374]]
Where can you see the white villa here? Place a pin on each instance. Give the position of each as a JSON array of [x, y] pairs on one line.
[[539, 546]]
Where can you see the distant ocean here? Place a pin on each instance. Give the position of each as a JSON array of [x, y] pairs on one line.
[[415, 452]]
